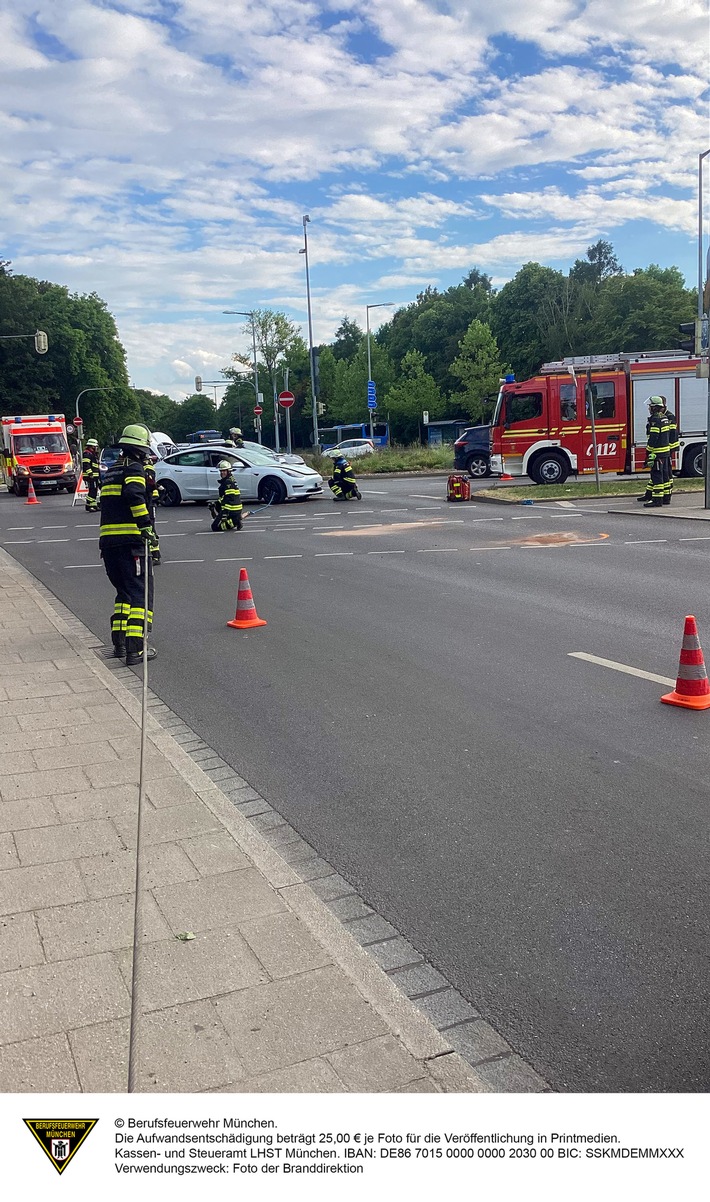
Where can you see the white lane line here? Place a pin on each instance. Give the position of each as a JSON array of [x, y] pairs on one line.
[[13, 542], [283, 557], [83, 565], [394, 511], [425, 496], [385, 552], [699, 538], [86, 526], [282, 528], [20, 527], [361, 511], [235, 559], [427, 550], [422, 508], [180, 534], [485, 520], [331, 554], [183, 561], [490, 548], [631, 542], [529, 517], [610, 663], [597, 544], [52, 540], [87, 538], [182, 520], [377, 492], [53, 527]]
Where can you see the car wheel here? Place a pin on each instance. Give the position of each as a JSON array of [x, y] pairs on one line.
[[549, 469], [694, 462], [272, 491], [478, 466], [170, 493]]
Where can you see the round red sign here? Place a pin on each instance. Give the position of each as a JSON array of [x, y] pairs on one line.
[[286, 399], [258, 409]]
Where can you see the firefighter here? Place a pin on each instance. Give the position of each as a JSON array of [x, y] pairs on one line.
[[674, 444], [658, 452], [90, 471], [342, 483], [236, 436], [227, 509], [125, 529]]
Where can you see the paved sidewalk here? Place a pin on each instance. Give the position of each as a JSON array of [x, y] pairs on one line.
[[684, 505], [271, 995]]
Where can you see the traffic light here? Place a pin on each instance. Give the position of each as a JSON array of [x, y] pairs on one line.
[[320, 408], [41, 343], [692, 344], [198, 383]]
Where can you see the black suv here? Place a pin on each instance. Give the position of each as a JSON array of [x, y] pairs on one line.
[[472, 451]]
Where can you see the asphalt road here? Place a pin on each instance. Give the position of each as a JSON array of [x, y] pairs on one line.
[[535, 824]]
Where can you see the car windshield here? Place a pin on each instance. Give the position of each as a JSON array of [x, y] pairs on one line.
[[33, 444], [256, 458]]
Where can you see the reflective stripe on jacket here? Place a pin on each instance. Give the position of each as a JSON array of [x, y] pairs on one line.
[[230, 498], [90, 465], [124, 509], [658, 434]]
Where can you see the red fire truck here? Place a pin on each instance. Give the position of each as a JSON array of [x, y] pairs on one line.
[[35, 448], [542, 427]]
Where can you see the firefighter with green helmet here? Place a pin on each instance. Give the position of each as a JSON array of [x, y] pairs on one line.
[[658, 454], [90, 473], [227, 509], [126, 528]]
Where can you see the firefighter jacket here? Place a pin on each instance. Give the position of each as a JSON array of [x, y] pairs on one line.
[[344, 477], [673, 439], [90, 464], [125, 519], [229, 502], [659, 430]]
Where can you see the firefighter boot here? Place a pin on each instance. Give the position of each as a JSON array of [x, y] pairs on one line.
[[653, 504], [646, 497], [119, 644], [134, 652]]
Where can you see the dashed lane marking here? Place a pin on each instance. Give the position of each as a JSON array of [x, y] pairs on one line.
[[631, 542], [611, 663], [422, 508], [83, 565], [283, 557], [53, 540], [235, 559], [428, 550], [385, 552], [331, 554], [18, 528], [54, 527], [698, 538], [167, 561]]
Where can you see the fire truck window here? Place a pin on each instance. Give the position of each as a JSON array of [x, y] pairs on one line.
[[604, 402], [522, 406], [568, 402]]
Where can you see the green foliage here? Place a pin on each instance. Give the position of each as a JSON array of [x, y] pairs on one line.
[[348, 337], [521, 323], [85, 358], [158, 411], [414, 391], [642, 312], [478, 366], [196, 413]]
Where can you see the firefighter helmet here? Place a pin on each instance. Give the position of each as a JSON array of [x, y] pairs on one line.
[[340, 459], [135, 436], [224, 465], [656, 402], [91, 442], [234, 430]]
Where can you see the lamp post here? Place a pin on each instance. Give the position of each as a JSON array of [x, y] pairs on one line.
[[77, 414], [250, 315], [382, 305], [304, 251], [701, 157]]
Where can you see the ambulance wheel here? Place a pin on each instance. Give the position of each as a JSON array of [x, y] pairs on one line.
[[170, 493], [548, 468]]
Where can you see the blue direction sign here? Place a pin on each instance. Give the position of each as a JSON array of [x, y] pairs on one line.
[[371, 403]]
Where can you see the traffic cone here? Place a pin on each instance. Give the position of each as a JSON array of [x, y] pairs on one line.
[[31, 495], [246, 615], [692, 689]]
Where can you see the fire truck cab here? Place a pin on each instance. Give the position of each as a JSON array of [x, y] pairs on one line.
[[543, 427]]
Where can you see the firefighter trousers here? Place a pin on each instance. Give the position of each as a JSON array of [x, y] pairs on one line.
[[661, 478], [125, 566], [92, 484]]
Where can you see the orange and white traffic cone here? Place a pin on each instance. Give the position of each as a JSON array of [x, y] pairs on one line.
[[31, 495], [692, 689], [246, 615]]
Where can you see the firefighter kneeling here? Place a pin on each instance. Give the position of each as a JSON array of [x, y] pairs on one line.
[[227, 509], [342, 483]]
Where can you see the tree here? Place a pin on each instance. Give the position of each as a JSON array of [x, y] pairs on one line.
[[158, 411], [642, 311], [197, 412], [348, 337], [521, 317], [415, 391], [601, 262], [478, 366]]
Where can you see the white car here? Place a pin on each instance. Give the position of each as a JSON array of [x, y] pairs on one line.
[[193, 475], [279, 456], [351, 448]]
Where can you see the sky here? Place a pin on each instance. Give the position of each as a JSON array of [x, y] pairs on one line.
[[163, 153]]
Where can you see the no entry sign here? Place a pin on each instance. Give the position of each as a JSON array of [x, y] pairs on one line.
[[258, 409], [286, 399]]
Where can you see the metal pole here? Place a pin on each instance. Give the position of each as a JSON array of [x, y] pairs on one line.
[[306, 219], [288, 430], [369, 363], [700, 314], [590, 398], [137, 903]]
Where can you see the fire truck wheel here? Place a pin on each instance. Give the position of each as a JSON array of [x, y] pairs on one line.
[[549, 468], [694, 462]]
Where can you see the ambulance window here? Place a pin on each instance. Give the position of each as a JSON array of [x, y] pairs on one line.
[[568, 402], [604, 402], [522, 407]]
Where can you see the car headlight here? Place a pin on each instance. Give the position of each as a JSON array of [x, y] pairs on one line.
[[23, 471], [288, 471]]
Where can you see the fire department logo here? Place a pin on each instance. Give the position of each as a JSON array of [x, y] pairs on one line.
[[60, 1138]]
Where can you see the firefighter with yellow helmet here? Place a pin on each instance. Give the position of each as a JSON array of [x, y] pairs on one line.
[[90, 472], [227, 509]]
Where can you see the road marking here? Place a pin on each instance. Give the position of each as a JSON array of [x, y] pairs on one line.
[[20, 527], [384, 552], [180, 520], [425, 496], [587, 544], [421, 508], [331, 554], [14, 542], [633, 541], [377, 492], [699, 538], [490, 548], [423, 550], [52, 540], [83, 565], [235, 559], [53, 527], [180, 534], [282, 528], [283, 557], [394, 511], [483, 520], [610, 663], [184, 561], [87, 538], [528, 517]]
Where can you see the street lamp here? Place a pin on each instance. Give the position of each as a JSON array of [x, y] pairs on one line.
[[382, 305], [701, 157], [80, 423], [304, 251], [242, 313]]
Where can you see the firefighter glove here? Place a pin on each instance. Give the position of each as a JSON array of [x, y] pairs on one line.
[[148, 534]]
